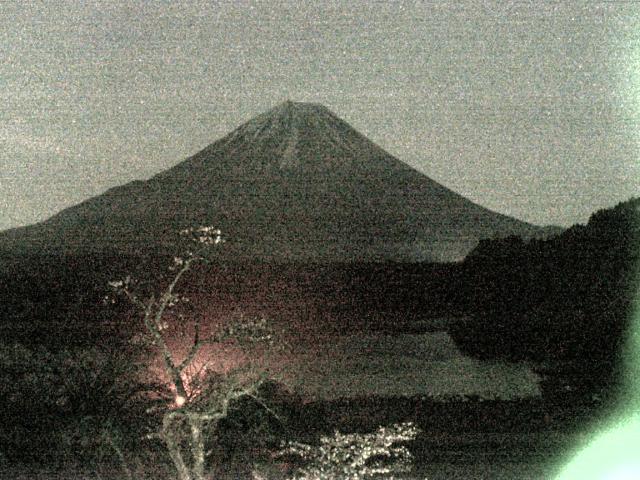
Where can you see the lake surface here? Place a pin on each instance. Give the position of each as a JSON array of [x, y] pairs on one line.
[[427, 364]]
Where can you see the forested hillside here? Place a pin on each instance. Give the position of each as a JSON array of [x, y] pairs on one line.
[[568, 298]]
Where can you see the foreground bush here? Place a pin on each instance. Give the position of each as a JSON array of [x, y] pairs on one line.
[[71, 406]]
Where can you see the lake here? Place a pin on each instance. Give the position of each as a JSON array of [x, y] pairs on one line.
[[429, 364]]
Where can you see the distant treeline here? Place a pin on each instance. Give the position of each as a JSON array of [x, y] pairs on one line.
[[567, 298]]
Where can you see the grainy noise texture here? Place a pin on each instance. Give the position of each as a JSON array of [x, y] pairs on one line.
[[528, 108]]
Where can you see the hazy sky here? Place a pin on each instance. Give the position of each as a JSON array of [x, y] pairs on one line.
[[529, 108]]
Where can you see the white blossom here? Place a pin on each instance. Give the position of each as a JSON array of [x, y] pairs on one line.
[[355, 456], [205, 235]]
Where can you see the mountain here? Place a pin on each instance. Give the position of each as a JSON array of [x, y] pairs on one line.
[[294, 183]]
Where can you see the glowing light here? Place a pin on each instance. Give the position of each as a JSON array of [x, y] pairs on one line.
[[613, 455], [180, 401]]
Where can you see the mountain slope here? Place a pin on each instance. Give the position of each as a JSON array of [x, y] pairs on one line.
[[294, 183]]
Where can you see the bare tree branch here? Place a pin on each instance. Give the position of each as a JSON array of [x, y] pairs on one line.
[[198, 404], [195, 348]]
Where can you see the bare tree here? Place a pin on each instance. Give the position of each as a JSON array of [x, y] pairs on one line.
[[200, 398]]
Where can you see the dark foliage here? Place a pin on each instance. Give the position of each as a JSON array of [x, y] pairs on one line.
[[564, 299], [252, 430], [70, 406]]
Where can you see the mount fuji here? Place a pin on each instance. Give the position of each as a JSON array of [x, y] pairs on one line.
[[295, 183]]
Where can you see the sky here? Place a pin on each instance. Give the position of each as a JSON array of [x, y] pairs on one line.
[[530, 108]]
